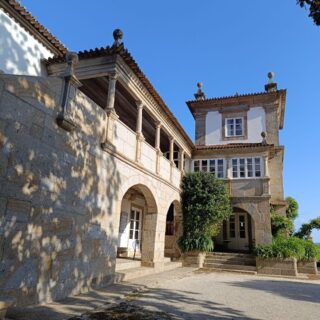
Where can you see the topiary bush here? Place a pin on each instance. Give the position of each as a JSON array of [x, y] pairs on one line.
[[205, 204]]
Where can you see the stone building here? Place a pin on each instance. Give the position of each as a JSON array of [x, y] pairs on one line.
[[91, 160]]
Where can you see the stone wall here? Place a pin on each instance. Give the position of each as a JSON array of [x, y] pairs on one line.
[[60, 194], [279, 267], [308, 267]]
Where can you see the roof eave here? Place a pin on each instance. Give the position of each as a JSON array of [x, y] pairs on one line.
[[28, 22], [132, 64]]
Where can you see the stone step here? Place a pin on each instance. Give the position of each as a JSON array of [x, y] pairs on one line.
[[231, 270], [229, 267], [127, 263], [123, 264], [230, 255], [133, 273], [231, 261]]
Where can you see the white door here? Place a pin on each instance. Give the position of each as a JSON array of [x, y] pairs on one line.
[[238, 232], [135, 229]]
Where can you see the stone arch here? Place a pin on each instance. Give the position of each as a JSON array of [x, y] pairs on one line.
[[147, 188], [150, 249], [259, 211], [173, 229], [250, 225]]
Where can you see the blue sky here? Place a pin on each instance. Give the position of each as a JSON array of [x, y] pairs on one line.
[[229, 46]]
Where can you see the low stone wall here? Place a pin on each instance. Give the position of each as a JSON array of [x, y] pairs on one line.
[[279, 267], [193, 259], [309, 267]]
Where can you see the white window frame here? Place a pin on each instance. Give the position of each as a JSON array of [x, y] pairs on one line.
[[234, 127], [254, 176], [208, 166]]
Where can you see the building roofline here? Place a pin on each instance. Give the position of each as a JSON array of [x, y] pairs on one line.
[[241, 99], [233, 146], [236, 96], [128, 59], [30, 23]]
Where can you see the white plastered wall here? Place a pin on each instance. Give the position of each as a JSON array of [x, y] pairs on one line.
[[256, 121], [20, 52]]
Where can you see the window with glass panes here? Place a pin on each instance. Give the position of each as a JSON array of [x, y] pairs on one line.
[[215, 166], [246, 167], [234, 127], [134, 231]]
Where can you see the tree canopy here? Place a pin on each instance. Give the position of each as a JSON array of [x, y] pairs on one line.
[[205, 204], [306, 228], [281, 224], [314, 9]]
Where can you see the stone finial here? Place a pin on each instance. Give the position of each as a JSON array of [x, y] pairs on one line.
[[72, 59], [270, 86], [200, 94], [117, 36], [264, 137]]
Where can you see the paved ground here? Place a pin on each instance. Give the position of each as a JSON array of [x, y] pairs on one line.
[[186, 294]]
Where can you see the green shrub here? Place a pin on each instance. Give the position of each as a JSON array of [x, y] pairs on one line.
[[264, 251], [201, 243], [289, 248], [205, 204], [280, 225], [312, 251], [292, 208]]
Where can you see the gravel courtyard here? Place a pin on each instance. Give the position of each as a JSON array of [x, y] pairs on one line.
[[184, 293], [232, 296]]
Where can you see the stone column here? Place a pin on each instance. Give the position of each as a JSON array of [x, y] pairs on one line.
[[139, 136], [139, 117], [157, 146], [181, 162], [171, 157], [266, 180], [171, 149], [229, 168], [111, 115], [266, 166], [111, 92], [152, 251]]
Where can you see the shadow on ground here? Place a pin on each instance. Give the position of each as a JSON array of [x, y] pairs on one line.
[[178, 304], [308, 292], [185, 305]]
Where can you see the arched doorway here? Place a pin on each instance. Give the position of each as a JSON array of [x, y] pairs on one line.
[[137, 226], [237, 233], [173, 230]]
